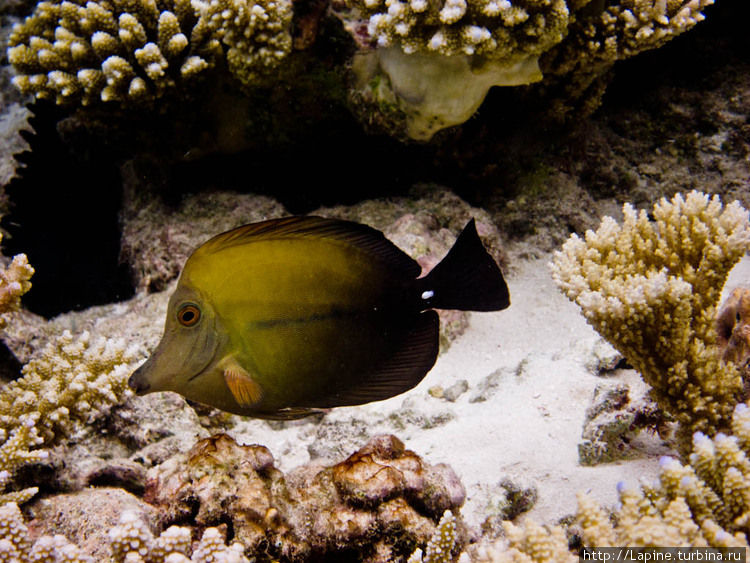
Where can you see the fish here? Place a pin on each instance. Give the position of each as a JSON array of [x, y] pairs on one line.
[[289, 317]]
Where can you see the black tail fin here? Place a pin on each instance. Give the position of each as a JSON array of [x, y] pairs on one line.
[[467, 278]]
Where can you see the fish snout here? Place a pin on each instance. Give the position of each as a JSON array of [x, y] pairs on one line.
[[137, 381]]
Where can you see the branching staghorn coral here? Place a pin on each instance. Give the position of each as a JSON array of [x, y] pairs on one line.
[[136, 50], [14, 282], [651, 289], [441, 544], [422, 47], [497, 29], [73, 380], [703, 504], [598, 38], [130, 542]]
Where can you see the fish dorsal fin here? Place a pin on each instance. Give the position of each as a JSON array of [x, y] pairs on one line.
[[401, 371], [244, 389], [367, 239]]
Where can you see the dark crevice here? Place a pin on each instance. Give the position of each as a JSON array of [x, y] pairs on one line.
[[64, 217]]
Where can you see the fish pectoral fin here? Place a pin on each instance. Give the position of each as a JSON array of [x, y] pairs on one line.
[[244, 389]]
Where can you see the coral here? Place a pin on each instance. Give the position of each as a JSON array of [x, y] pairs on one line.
[[733, 329], [421, 46], [614, 421], [379, 502], [256, 34], [435, 61], [496, 29], [703, 504], [15, 451], [439, 548], [73, 381], [137, 50], [617, 30], [528, 542], [130, 542], [16, 545], [651, 289], [14, 282]]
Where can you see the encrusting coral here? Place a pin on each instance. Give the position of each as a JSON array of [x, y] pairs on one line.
[[651, 289], [381, 502], [73, 381], [136, 50]]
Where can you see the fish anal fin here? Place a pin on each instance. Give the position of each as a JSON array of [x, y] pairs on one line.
[[402, 371], [244, 389], [290, 413]]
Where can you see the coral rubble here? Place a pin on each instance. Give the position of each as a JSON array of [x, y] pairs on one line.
[[381, 502], [651, 289]]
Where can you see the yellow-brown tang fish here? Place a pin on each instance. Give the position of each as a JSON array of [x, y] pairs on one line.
[[282, 318]]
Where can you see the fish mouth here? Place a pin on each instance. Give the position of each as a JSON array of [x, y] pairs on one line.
[[136, 381]]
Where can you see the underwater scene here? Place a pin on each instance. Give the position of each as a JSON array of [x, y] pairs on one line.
[[374, 280]]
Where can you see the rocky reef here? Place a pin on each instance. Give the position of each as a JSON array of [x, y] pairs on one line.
[[418, 67], [173, 120]]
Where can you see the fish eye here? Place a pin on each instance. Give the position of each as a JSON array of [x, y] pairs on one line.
[[189, 314]]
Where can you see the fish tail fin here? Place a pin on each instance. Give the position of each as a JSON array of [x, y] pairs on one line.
[[467, 279]]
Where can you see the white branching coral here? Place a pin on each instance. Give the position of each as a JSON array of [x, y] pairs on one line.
[[497, 29], [136, 50], [597, 38], [130, 542], [73, 380], [439, 548], [651, 289], [14, 282], [256, 33]]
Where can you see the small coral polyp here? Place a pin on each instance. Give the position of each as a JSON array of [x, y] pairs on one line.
[[136, 50]]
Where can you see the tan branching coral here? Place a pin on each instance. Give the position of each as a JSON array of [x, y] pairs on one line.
[[130, 541], [73, 380], [256, 33], [598, 37], [651, 289], [703, 504], [497, 29], [440, 547], [14, 282], [136, 50]]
